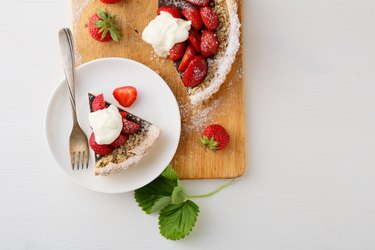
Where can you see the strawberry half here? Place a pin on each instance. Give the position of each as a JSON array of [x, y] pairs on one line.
[[121, 139], [129, 127], [209, 43], [99, 149], [102, 27], [201, 3], [123, 114], [193, 14], [196, 72], [98, 103], [188, 56], [215, 137], [171, 9], [126, 95], [194, 38], [177, 51], [209, 17]]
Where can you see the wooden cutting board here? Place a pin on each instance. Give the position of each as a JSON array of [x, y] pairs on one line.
[[226, 107]]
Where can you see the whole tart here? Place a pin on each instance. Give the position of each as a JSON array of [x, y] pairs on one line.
[[132, 151], [220, 64]]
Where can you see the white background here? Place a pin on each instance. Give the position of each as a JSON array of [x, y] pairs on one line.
[[310, 88]]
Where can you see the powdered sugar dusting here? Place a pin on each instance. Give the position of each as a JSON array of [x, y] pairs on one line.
[[224, 63], [196, 118]]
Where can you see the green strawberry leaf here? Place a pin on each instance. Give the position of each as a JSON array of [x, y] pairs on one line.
[[179, 195], [151, 197], [177, 220], [160, 204], [169, 173]]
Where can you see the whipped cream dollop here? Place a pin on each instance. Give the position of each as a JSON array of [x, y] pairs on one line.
[[106, 124], [165, 31]]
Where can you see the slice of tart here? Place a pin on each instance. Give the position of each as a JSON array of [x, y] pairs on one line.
[[206, 57], [118, 148]]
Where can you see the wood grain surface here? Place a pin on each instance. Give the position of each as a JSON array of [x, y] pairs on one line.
[[226, 107]]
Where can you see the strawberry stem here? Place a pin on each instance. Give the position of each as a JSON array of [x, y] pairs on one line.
[[226, 184]]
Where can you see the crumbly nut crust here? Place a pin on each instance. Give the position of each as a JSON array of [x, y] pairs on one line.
[[130, 153]]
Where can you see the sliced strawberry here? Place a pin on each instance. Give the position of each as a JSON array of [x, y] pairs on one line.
[[209, 17], [121, 139], [209, 43], [201, 3], [171, 9], [125, 95], [98, 103], [194, 39], [99, 149], [188, 56], [129, 127], [196, 72], [177, 51], [192, 14], [110, 1], [123, 114]]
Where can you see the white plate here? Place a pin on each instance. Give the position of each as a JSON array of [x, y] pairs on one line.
[[155, 103]]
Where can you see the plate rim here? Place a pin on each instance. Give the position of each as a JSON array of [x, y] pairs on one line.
[[48, 110]]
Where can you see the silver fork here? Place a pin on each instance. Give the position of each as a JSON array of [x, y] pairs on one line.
[[78, 146]]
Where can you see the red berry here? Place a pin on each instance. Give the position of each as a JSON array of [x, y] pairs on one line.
[[99, 149], [106, 29], [98, 103], [209, 17], [171, 9], [126, 95], [196, 72], [123, 114], [110, 1], [192, 14], [194, 39], [201, 3], [188, 56], [95, 31], [121, 139], [215, 137], [129, 127], [177, 51], [209, 43]]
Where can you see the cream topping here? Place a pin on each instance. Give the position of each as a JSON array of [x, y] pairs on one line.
[[164, 32]]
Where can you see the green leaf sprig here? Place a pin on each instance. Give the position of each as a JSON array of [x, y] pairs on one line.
[[166, 195]]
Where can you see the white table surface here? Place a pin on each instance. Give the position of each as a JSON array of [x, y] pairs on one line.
[[310, 87]]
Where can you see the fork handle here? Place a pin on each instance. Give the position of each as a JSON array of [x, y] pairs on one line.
[[67, 52]]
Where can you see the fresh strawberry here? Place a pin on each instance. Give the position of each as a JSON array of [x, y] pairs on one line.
[[99, 149], [201, 3], [209, 43], [177, 51], [215, 137], [171, 9], [196, 72], [121, 139], [194, 39], [110, 1], [98, 103], [102, 27], [209, 17], [125, 95], [192, 14], [123, 114], [129, 127], [188, 56]]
